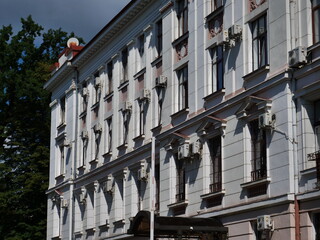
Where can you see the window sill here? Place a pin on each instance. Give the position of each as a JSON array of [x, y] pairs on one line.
[[180, 39], [93, 229], [104, 226], [266, 180], [156, 128], [79, 234], [61, 125], [123, 84], [156, 60], [179, 113], [141, 72], [94, 161], [83, 114], [60, 177], [255, 73], [308, 171], [94, 106], [213, 194], [81, 168], [56, 238], [140, 137], [214, 94], [178, 204], [107, 154], [119, 222], [123, 146], [108, 95]]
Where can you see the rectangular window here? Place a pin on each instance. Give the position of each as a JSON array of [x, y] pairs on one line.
[[215, 170], [125, 128], [259, 43], [109, 135], [85, 97], [97, 136], [85, 141], [142, 118], [182, 88], [97, 87], [215, 4], [159, 38], [258, 151], [62, 110], [62, 160], [182, 15], [180, 180], [157, 180], [110, 78], [316, 20], [316, 225], [217, 69], [141, 59], [124, 56]]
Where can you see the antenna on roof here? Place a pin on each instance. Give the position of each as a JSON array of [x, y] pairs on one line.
[[73, 42]]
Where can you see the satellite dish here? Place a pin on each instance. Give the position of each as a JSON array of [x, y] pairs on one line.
[[73, 41]]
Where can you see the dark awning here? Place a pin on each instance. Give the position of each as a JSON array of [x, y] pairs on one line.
[[176, 226]]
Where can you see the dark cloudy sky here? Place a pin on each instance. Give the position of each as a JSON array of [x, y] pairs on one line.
[[83, 17]]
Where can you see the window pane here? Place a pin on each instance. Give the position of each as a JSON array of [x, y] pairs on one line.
[[316, 26]]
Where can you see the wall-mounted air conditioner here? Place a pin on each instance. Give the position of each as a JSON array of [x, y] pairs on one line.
[[127, 106], [161, 81], [64, 203], [145, 94], [84, 134], [297, 57], [264, 222], [195, 148], [85, 92], [142, 174], [223, 37], [234, 31], [265, 120], [183, 151], [97, 128]]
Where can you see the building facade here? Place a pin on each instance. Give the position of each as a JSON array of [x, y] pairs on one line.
[[197, 109]]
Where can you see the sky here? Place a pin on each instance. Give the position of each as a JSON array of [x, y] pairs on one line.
[[83, 17]]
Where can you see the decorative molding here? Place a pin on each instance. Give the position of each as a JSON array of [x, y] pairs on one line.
[[53, 103]]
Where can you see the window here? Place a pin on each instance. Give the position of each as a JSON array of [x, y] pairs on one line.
[[258, 151], [97, 87], [215, 170], [253, 4], [62, 110], [215, 25], [215, 4], [141, 59], [62, 160], [109, 135], [182, 15], [85, 96], [110, 78], [124, 55], [160, 92], [316, 20], [259, 43], [159, 38], [97, 135], [180, 180], [85, 141], [316, 225], [217, 69], [142, 118], [125, 126], [157, 181], [182, 75]]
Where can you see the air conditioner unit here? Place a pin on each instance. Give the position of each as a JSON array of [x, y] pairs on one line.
[[85, 92], [107, 186], [265, 120], [183, 151], [222, 37], [84, 134], [97, 82], [264, 222], [97, 128], [195, 148], [145, 94], [161, 81], [297, 57], [82, 199], [65, 203], [234, 31], [127, 106], [142, 174]]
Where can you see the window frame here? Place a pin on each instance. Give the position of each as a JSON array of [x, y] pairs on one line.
[[159, 35], [217, 68], [182, 16], [124, 65], [180, 193], [110, 77], [62, 110], [260, 40], [215, 163], [182, 77]]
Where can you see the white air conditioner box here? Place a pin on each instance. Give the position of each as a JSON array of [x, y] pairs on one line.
[[222, 37], [142, 174], [234, 31], [161, 81], [297, 56], [265, 120], [85, 92], [183, 151], [264, 222]]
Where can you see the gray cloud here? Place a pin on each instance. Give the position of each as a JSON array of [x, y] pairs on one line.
[[83, 17]]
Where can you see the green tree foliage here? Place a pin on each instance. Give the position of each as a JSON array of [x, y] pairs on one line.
[[25, 61]]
